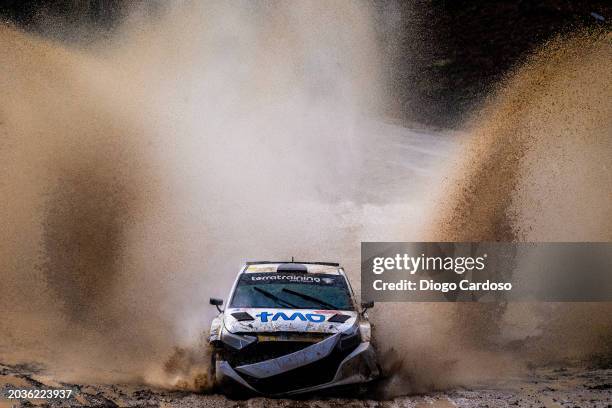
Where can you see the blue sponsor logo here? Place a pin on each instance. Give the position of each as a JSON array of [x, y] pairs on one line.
[[311, 317]]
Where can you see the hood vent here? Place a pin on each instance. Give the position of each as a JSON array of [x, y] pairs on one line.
[[339, 318], [242, 316]]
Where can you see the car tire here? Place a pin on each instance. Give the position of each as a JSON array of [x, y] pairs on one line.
[[212, 370]]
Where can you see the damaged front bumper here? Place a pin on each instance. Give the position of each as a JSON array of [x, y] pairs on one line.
[[329, 363]]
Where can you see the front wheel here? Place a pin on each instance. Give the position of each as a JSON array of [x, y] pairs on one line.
[[222, 385], [211, 373]]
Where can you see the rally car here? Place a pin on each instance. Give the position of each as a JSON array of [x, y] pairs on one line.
[[291, 328]]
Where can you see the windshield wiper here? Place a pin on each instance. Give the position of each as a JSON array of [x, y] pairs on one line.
[[310, 298], [273, 296]]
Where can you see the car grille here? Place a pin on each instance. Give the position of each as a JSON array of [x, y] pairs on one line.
[[265, 350], [315, 373], [318, 372]]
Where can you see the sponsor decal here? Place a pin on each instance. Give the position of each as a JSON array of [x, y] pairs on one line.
[[311, 317], [289, 278]]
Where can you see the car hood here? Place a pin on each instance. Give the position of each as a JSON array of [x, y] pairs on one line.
[[267, 320]]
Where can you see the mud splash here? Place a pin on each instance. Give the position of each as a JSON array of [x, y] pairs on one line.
[[76, 183], [535, 167], [140, 172]]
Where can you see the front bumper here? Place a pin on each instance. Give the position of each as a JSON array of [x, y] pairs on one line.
[[301, 374]]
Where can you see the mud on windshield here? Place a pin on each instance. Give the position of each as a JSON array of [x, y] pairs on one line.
[[292, 291]]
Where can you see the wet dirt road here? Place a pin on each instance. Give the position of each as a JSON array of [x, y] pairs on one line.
[[542, 388]]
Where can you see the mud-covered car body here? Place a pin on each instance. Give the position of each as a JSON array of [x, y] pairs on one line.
[[291, 328]]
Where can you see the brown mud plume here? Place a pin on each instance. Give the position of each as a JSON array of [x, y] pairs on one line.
[[141, 171], [537, 169], [73, 183], [534, 167]]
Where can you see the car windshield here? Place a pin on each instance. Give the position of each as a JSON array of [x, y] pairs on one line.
[[292, 290]]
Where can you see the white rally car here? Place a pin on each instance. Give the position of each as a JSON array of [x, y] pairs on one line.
[[290, 328]]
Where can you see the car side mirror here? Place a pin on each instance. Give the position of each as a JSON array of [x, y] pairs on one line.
[[366, 305], [217, 302]]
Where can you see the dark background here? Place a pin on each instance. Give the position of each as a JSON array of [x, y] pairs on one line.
[[444, 56]]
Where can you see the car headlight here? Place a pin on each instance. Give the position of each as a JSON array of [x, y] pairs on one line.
[[215, 330], [366, 331]]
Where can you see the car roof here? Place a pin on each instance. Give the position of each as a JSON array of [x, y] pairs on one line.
[[304, 267]]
